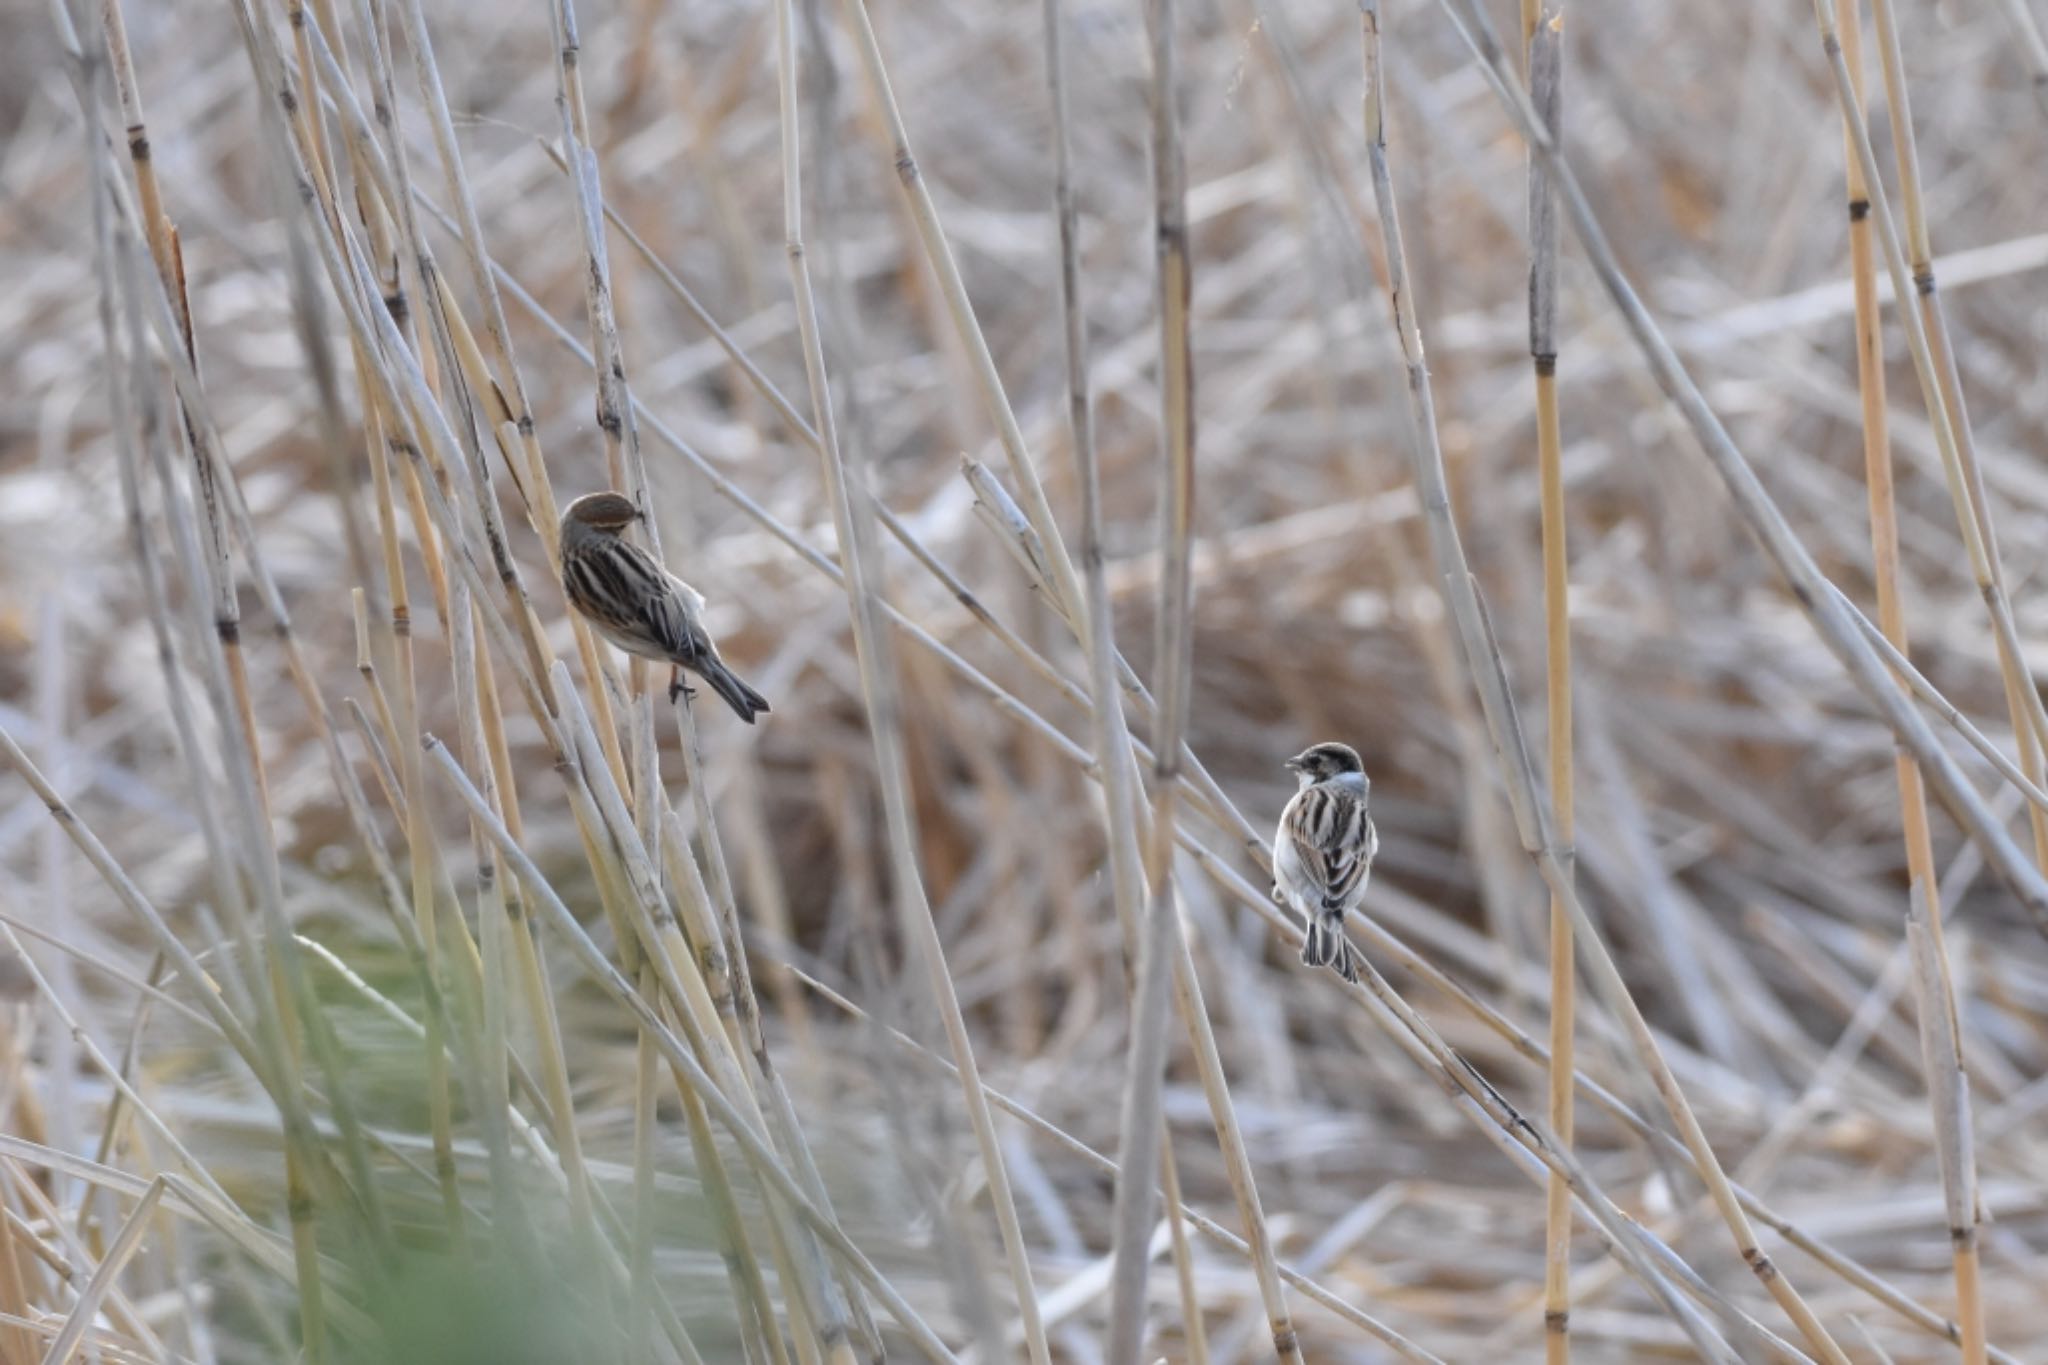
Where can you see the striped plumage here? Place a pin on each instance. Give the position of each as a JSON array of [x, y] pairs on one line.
[[638, 605], [1323, 850]]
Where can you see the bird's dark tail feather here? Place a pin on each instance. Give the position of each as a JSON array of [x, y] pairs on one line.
[[1324, 946], [741, 698]]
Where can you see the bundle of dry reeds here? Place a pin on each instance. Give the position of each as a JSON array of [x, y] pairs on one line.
[[1069, 412]]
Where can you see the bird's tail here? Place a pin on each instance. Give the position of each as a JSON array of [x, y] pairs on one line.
[[741, 698], [1324, 945]]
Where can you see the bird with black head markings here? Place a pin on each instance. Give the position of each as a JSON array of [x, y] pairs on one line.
[[1323, 851]]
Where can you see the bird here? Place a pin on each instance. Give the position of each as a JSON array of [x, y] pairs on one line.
[[638, 605], [1323, 851]]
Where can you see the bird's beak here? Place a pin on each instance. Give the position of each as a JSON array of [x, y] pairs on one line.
[[1292, 765]]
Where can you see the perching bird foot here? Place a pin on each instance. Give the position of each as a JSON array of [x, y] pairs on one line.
[[679, 688]]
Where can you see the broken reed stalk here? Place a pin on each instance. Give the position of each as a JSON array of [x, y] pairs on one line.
[[1948, 1089], [1543, 44], [846, 487], [1483, 662]]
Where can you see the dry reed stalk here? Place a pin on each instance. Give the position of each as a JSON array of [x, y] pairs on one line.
[[264, 1062], [1714, 810], [1208, 1227], [623, 458], [304, 165], [166, 253], [124, 1245], [1058, 571], [959, 311], [1959, 467], [646, 917], [1543, 45], [1948, 1085], [847, 489], [285, 987], [678, 1054], [1140, 1128], [71, 1256], [262, 1246], [1483, 663], [1109, 734], [1811, 590], [16, 1278], [136, 1104], [485, 1042]]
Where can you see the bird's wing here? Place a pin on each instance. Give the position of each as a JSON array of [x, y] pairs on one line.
[[1332, 843], [639, 606], [672, 617]]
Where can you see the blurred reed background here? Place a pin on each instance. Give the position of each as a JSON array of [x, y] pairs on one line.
[[390, 974]]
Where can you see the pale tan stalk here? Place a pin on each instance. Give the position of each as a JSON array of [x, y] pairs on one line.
[[1815, 597], [119, 1251], [278, 1065], [15, 1279], [1140, 1128], [1948, 1086], [1208, 1227], [168, 257], [643, 915], [511, 415], [628, 469], [265, 1061], [1060, 569], [847, 491], [931, 236], [1109, 734], [483, 1044], [1965, 487], [1543, 44], [1489, 673]]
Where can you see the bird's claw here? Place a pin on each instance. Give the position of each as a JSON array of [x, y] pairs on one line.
[[679, 688]]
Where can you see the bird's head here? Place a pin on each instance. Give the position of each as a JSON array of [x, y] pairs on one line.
[[607, 511], [1320, 762]]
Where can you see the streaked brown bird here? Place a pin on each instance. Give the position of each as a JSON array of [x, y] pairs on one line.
[[638, 605], [1323, 851]]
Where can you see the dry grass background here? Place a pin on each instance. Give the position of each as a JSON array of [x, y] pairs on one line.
[[172, 1193]]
